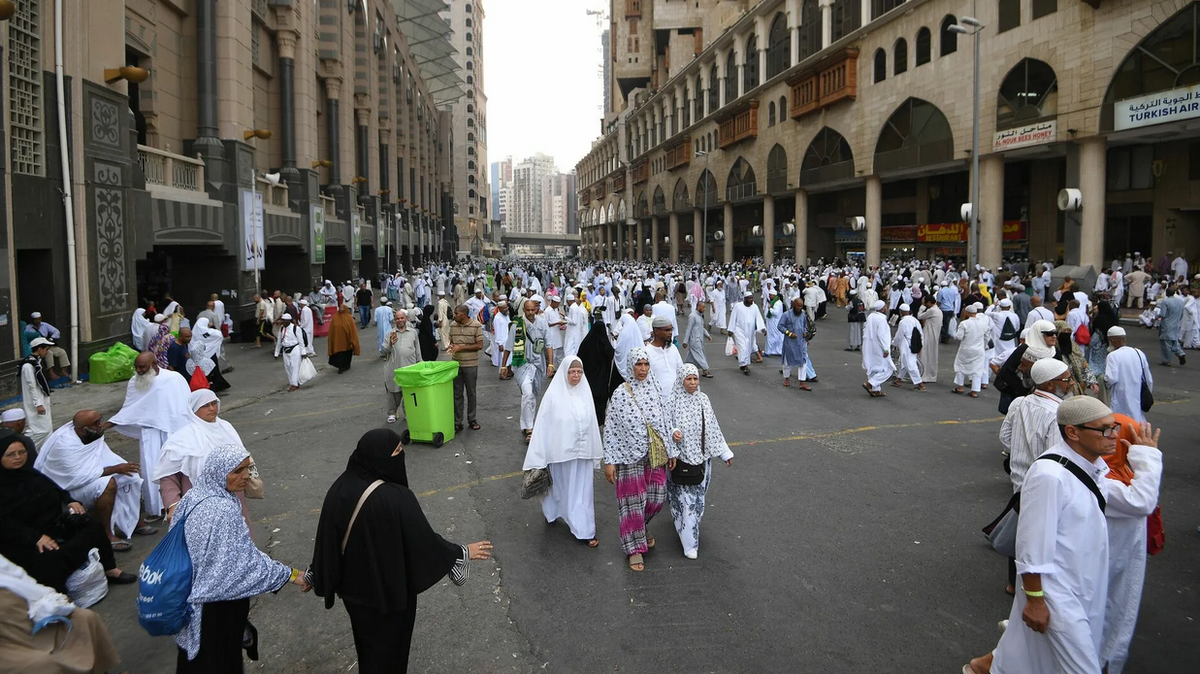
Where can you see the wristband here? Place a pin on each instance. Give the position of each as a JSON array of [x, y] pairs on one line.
[[1029, 593], [294, 576]]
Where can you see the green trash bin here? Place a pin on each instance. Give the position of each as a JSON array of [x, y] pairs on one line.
[[428, 401]]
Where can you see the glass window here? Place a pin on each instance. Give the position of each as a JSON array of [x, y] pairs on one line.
[[881, 7], [731, 83], [924, 46], [1131, 168], [741, 183], [771, 114], [25, 89], [714, 93], [901, 56], [948, 37], [779, 51], [1010, 15], [1166, 59], [880, 65], [1028, 93], [846, 17], [782, 108], [750, 68], [1043, 8], [810, 28]]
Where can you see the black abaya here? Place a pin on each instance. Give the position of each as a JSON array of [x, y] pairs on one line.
[[596, 353], [425, 337], [222, 624], [382, 640]]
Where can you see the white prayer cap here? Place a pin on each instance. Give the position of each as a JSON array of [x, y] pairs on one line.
[[441, 292], [36, 314], [660, 322], [570, 296], [304, 302], [1046, 369], [878, 305], [853, 291], [9, 416], [1006, 302], [978, 306], [285, 317], [1081, 410], [159, 318], [552, 297], [971, 309], [1116, 331], [905, 307], [747, 294]]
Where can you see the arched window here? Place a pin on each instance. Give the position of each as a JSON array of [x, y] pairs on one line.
[[714, 89], [810, 28], [660, 201], [777, 170], [924, 46], [771, 114], [471, 165], [1029, 93], [750, 68], [828, 158], [779, 49], [471, 150], [741, 183], [916, 134], [706, 190], [470, 122], [470, 109], [880, 65], [901, 56], [469, 50], [782, 108], [846, 17], [470, 194], [686, 108], [470, 137], [470, 180], [470, 93], [470, 79], [470, 65], [731, 83], [698, 101], [469, 38], [948, 37], [1164, 60], [469, 22], [468, 8], [680, 198]]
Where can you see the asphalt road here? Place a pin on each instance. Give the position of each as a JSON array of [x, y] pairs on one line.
[[844, 539]]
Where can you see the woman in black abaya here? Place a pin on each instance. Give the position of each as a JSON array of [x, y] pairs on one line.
[[596, 352], [391, 553], [425, 336]]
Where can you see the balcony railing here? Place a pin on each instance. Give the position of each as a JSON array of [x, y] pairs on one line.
[[741, 126], [275, 195], [619, 182], [171, 170], [329, 205], [829, 84], [680, 155], [601, 190], [641, 172], [585, 197]]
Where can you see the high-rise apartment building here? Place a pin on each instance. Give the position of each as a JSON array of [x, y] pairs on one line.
[[501, 181], [472, 196]]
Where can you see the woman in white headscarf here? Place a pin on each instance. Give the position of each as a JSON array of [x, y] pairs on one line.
[[185, 450], [202, 352], [138, 327], [696, 439], [566, 441]]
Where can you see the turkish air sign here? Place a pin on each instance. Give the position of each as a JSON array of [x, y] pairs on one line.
[[1026, 136], [1165, 106]]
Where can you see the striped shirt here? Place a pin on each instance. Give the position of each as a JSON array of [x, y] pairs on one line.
[[466, 335]]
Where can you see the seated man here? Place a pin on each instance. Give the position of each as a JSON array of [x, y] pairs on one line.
[[78, 459]]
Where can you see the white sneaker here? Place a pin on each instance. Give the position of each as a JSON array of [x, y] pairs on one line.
[[690, 554], [391, 418]]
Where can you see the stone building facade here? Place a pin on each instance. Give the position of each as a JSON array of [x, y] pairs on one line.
[[168, 173], [803, 115]]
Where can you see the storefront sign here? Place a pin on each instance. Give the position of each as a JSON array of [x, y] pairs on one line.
[[1016, 230], [250, 204], [898, 234], [1160, 108], [846, 235], [384, 221], [1026, 136], [318, 234], [950, 232], [356, 236]]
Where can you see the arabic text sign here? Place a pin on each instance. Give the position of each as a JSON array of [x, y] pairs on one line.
[[1165, 106], [945, 232], [250, 204], [1026, 136], [318, 234]]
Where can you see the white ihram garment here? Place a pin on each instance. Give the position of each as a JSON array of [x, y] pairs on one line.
[[149, 417], [1124, 370], [744, 321], [79, 469], [291, 338], [876, 348], [910, 363]]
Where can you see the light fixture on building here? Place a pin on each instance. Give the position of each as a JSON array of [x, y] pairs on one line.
[[718, 235], [262, 134], [789, 228], [856, 222], [1070, 200], [358, 180], [132, 74], [322, 163], [7, 9], [756, 230], [667, 240], [966, 211], [689, 238]]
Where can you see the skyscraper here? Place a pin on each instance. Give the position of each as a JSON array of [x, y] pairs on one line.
[[472, 196]]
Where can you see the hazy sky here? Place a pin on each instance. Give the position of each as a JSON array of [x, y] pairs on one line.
[[541, 67]]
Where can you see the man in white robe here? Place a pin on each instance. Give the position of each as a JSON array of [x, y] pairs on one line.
[[577, 325], [716, 306], [971, 359], [538, 361], [1037, 312], [78, 459], [931, 318], [666, 310], [876, 349], [35, 392], [665, 360], [1190, 337], [292, 347], [1057, 620], [500, 323], [557, 323], [629, 337], [382, 317], [744, 322], [306, 324], [910, 364], [1179, 268], [1006, 328], [156, 405], [1125, 369]]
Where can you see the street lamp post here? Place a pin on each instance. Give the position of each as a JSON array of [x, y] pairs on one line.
[[968, 25], [704, 231]]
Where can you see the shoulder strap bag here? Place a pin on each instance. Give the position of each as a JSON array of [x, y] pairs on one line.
[[1078, 473], [691, 474], [657, 451], [1147, 395], [357, 507]]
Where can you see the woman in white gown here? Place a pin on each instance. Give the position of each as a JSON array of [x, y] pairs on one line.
[[566, 441]]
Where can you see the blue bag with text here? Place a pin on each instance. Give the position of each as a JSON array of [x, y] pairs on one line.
[[165, 582]]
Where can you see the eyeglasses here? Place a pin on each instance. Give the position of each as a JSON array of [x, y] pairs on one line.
[[1108, 431], [1051, 333]]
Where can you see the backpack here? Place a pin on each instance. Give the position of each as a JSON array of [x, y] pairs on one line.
[[917, 343], [1083, 336], [1009, 331], [165, 582]]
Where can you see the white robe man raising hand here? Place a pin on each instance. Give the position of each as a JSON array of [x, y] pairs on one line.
[[156, 405]]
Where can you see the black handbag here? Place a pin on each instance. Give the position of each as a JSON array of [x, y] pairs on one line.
[[690, 474], [1147, 396]]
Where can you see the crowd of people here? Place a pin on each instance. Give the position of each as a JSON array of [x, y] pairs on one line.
[[607, 360]]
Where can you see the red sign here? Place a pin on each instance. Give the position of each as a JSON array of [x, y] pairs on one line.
[[1016, 230], [949, 232], [898, 234]]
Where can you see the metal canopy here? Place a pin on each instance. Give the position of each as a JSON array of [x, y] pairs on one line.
[[429, 40]]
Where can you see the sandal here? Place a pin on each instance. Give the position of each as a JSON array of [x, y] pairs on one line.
[[591, 543], [973, 394], [528, 436], [122, 546], [787, 383], [804, 387], [146, 530], [958, 390], [920, 387], [707, 375], [636, 563], [474, 425], [650, 542]]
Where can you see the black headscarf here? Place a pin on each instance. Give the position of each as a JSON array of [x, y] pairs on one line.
[[392, 554], [30, 502], [596, 352], [425, 338], [1106, 317]]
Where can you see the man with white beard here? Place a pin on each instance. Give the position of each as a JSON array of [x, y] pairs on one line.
[[306, 325], [156, 405], [746, 320], [78, 459], [292, 343], [876, 350]]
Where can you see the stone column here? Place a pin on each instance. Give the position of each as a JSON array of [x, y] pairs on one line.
[[640, 241], [991, 210], [362, 120], [333, 92], [673, 232], [768, 229], [655, 241], [827, 23], [1093, 184], [801, 227], [874, 217], [728, 226], [286, 40], [697, 235], [622, 253], [208, 141]]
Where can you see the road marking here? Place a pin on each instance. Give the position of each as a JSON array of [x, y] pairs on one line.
[[306, 414], [474, 483]]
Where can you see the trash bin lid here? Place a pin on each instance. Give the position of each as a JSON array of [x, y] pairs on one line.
[[428, 373]]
